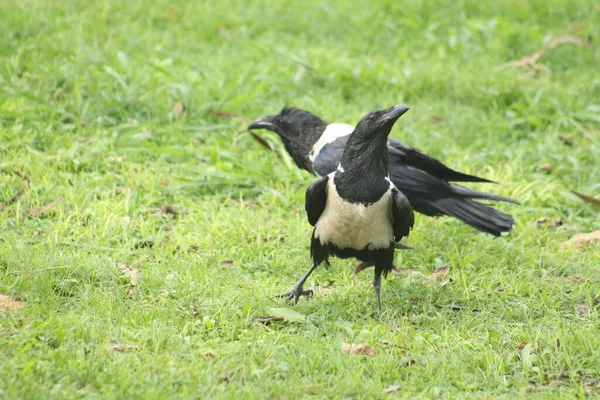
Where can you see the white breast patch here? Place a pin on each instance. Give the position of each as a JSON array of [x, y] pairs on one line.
[[330, 134], [355, 226]]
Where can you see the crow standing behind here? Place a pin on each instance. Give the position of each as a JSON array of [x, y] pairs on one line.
[[356, 210], [317, 146]]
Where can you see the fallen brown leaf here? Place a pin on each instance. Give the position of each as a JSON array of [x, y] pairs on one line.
[[39, 211], [359, 349], [322, 290], [582, 309], [545, 167], [134, 275], [227, 264], [588, 199], [123, 347], [163, 181], [264, 143], [209, 353], [392, 389], [8, 304], [19, 193], [178, 109], [522, 345], [580, 240], [439, 275]]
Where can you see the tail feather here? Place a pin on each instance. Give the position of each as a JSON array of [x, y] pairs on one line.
[[475, 214], [476, 194]]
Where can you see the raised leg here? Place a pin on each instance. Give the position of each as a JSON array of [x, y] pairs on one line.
[[294, 294]]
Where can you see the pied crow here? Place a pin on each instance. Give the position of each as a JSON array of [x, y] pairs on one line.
[[356, 210], [317, 147]]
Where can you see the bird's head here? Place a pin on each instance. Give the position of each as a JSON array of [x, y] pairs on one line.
[[378, 124], [291, 123]]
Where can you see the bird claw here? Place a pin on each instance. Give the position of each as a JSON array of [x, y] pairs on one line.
[[293, 295]]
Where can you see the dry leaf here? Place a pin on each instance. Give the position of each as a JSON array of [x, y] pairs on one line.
[[323, 290], [392, 389], [580, 240], [7, 303], [123, 347], [19, 193], [178, 108], [543, 273], [587, 199], [117, 159], [227, 264], [163, 181], [168, 209], [134, 275], [126, 191], [522, 345], [545, 167], [439, 275], [582, 308], [209, 353], [359, 349]]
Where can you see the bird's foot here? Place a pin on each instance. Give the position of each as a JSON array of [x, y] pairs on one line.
[[294, 294]]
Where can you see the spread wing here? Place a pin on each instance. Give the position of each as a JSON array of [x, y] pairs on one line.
[[316, 198], [402, 215]]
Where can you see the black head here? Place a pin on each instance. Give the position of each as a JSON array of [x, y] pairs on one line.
[[378, 124], [298, 129], [290, 122]]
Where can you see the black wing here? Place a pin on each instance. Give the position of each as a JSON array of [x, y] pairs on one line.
[[316, 198], [402, 215], [414, 158]]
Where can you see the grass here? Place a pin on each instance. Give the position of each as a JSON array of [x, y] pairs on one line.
[[86, 93]]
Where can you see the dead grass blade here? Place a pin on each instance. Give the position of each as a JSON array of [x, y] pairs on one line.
[[588, 199], [34, 212], [20, 192]]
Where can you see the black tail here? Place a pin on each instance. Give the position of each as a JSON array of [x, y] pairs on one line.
[[475, 214]]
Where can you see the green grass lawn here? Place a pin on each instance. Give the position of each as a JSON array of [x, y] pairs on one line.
[[87, 97]]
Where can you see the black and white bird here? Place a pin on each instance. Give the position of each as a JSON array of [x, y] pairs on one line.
[[356, 210], [317, 147]]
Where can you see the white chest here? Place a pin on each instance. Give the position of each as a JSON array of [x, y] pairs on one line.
[[355, 226]]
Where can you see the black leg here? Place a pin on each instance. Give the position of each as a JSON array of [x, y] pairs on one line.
[[294, 294], [377, 287]]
